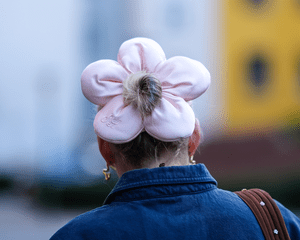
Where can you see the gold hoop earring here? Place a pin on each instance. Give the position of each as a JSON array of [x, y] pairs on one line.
[[191, 160], [106, 172]]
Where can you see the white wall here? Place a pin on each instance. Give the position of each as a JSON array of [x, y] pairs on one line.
[[38, 76]]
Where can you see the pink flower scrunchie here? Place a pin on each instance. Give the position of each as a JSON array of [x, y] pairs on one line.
[[182, 79]]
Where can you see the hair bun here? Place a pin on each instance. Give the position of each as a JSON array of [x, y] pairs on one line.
[[143, 91]]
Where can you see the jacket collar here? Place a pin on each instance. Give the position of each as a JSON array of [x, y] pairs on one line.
[[163, 176]]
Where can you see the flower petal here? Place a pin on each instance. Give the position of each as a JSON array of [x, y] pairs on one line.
[[102, 80], [180, 120], [140, 54], [183, 77], [117, 123]]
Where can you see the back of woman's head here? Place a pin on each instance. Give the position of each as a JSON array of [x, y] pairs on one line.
[[144, 92], [144, 99]]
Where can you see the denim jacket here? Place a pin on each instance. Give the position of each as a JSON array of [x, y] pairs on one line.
[[181, 202]]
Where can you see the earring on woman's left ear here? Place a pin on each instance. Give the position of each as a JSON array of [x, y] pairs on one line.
[[191, 160]]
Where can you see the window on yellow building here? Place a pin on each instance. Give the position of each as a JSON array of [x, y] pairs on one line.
[[298, 74], [258, 72], [255, 6]]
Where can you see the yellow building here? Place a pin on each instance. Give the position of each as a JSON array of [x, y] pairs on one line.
[[262, 64]]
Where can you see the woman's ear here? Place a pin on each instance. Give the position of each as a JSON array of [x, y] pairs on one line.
[[106, 151], [194, 140]]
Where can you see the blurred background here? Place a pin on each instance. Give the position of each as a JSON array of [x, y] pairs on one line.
[[50, 167]]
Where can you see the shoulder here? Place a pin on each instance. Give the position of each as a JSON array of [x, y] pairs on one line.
[[292, 222]]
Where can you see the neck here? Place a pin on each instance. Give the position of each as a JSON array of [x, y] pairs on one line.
[[163, 161], [166, 161]]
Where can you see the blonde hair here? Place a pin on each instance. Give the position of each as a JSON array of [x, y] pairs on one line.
[[143, 91]]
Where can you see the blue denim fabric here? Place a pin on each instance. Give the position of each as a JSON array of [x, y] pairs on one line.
[[181, 202]]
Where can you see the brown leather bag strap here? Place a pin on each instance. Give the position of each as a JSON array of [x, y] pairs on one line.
[[266, 212]]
